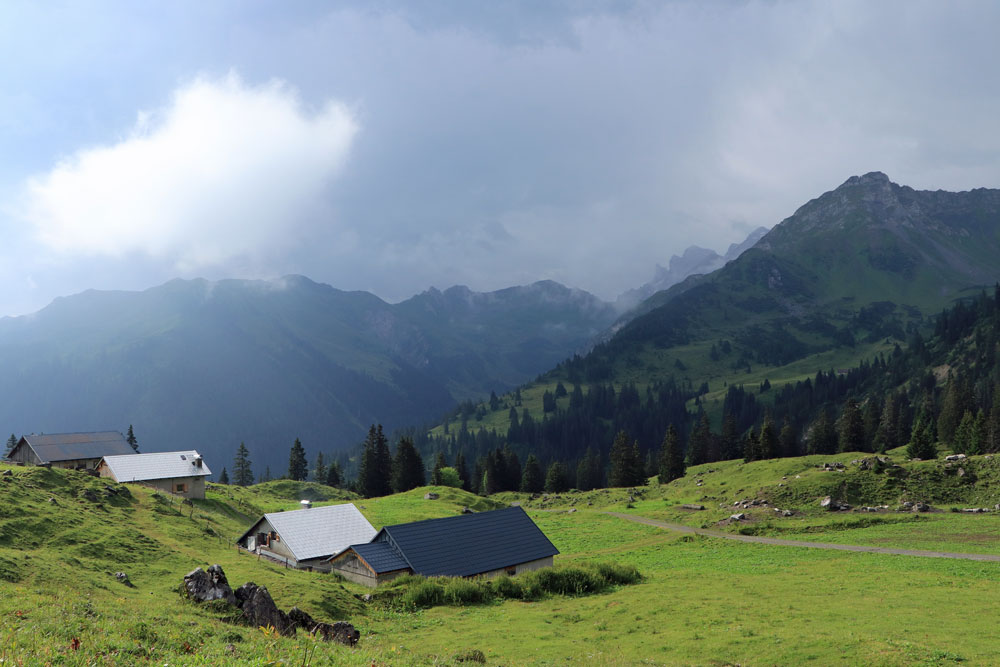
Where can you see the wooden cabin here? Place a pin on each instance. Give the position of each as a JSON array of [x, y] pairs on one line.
[[77, 451], [306, 538], [180, 473], [486, 544]]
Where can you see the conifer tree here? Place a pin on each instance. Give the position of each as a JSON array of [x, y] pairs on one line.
[[729, 444], [512, 476], [921, 445], [555, 478], [333, 475], [962, 440], [625, 464], [368, 469], [224, 477], [319, 469], [851, 429], [671, 457], [788, 441], [823, 439], [131, 439], [242, 471], [532, 480], [751, 447], [298, 468], [408, 467], [11, 444], [439, 462], [699, 442], [463, 470], [992, 432], [887, 436], [767, 443]]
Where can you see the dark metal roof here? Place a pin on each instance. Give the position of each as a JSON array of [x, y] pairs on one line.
[[381, 557], [73, 446], [469, 544]]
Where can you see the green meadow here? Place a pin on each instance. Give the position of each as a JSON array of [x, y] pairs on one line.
[[702, 600]]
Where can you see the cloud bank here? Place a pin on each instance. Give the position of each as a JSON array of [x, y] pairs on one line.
[[225, 171]]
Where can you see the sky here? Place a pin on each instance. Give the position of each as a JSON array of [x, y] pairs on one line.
[[394, 146]]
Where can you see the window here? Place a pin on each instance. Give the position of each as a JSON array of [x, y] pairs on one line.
[[180, 487], [510, 570]]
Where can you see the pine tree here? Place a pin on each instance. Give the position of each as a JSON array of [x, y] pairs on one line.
[[333, 475], [823, 439], [555, 478], [962, 440], [638, 467], [531, 479], [851, 429], [224, 477], [729, 441], [266, 477], [886, 436], [319, 469], [870, 418], [242, 472], [11, 444], [671, 457], [619, 460], [463, 470], [408, 467], [384, 462], [699, 443], [439, 462], [512, 476], [751, 447], [375, 469], [767, 443], [991, 443], [788, 441], [298, 468], [921, 445], [131, 439]]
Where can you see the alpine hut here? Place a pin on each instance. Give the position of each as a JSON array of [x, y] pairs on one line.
[[486, 544], [82, 451], [180, 473], [306, 538]]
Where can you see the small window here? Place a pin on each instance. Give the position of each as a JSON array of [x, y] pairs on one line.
[[183, 458], [511, 570], [180, 488]]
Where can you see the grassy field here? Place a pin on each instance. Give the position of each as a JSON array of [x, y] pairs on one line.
[[63, 536]]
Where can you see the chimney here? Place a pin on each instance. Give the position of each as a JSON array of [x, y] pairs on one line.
[[197, 461], [306, 504]]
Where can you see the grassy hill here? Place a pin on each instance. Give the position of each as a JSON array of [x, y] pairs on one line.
[[63, 535]]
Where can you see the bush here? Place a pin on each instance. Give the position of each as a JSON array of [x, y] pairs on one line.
[[426, 593], [461, 592], [617, 575], [507, 588]]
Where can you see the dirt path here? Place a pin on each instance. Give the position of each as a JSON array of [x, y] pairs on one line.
[[796, 543]]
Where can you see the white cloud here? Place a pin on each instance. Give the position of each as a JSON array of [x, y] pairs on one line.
[[225, 171]]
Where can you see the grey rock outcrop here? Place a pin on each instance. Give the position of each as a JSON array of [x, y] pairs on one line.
[[202, 586], [259, 609]]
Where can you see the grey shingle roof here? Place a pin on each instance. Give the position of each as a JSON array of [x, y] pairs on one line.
[[71, 446], [469, 544], [161, 465], [381, 557], [320, 531]]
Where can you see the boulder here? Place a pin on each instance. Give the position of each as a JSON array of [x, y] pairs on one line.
[[737, 517], [431, 496], [921, 507], [260, 611], [8, 473], [955, 457], [123, 578], [834, 505], [692, 506], [301, 619], [341, 632], [202, 586], [466, 510]]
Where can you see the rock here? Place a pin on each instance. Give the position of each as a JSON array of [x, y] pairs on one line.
[[955, 457], [431, 496], [301, 619], [53, 501], [974, 510], [961, 472], [921, 507], [787, 513], [834, 505], [475, 655], [341, 632], [738, 517], [89, 494], [570, 510], [8, 473], [259, 610], [202, 586], [123, 578], [515, 503], [692, 506], [466, 510]]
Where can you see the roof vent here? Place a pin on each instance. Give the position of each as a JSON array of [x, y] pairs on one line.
[[197, 461], [306, 504]]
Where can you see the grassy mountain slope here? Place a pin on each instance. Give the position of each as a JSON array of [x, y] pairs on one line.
[[702, 600], [214, 364]]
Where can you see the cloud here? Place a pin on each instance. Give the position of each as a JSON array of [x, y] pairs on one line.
[[226, 171]]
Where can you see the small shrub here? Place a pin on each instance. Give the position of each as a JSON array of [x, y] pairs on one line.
[[618, 575], [507, 588], [463, 592], [424, 594]]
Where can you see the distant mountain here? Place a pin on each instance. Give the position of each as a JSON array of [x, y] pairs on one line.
[[206, 365], [693, 261]]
